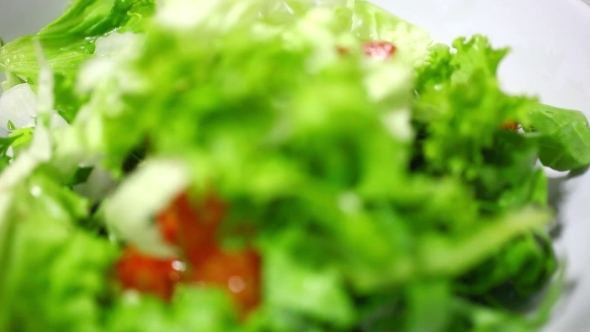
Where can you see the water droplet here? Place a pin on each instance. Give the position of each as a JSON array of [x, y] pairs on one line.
[[179, 266], [236, 284]]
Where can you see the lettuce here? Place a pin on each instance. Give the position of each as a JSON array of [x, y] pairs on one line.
[[68, 42], [565, 139], [53, 273], [383, 194]]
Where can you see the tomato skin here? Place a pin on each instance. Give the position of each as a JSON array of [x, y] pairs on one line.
[[380, 50], [191, 227], [236, 272], [146, 274], [168, 223]]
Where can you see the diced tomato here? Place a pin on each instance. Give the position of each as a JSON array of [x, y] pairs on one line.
[[380, 50], [192, 227], [148, 274], [168, 222], [510, 125], [237, 272]]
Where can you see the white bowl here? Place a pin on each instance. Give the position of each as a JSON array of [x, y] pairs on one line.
[[550, 41]]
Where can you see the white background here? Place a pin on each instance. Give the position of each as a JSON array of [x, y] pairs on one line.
[[550, 40]]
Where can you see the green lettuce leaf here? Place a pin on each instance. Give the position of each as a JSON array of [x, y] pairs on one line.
[[53, 274], [316, 293], [68, 42], [564, 137], [384, 195], [191, 309], [460, 97]]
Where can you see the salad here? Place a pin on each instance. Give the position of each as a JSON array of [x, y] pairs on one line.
[[266, 165]]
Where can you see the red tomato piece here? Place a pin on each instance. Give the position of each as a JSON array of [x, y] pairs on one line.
[[380, 50], [237, 272], [148, 274], [168, 222], [192, 227]]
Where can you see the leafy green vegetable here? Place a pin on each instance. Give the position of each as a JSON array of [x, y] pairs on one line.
[[50, 270], [459, 96], [318, 294], [68, 42], [564, 137], [381, 195], [203, 309], [80, 176]]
